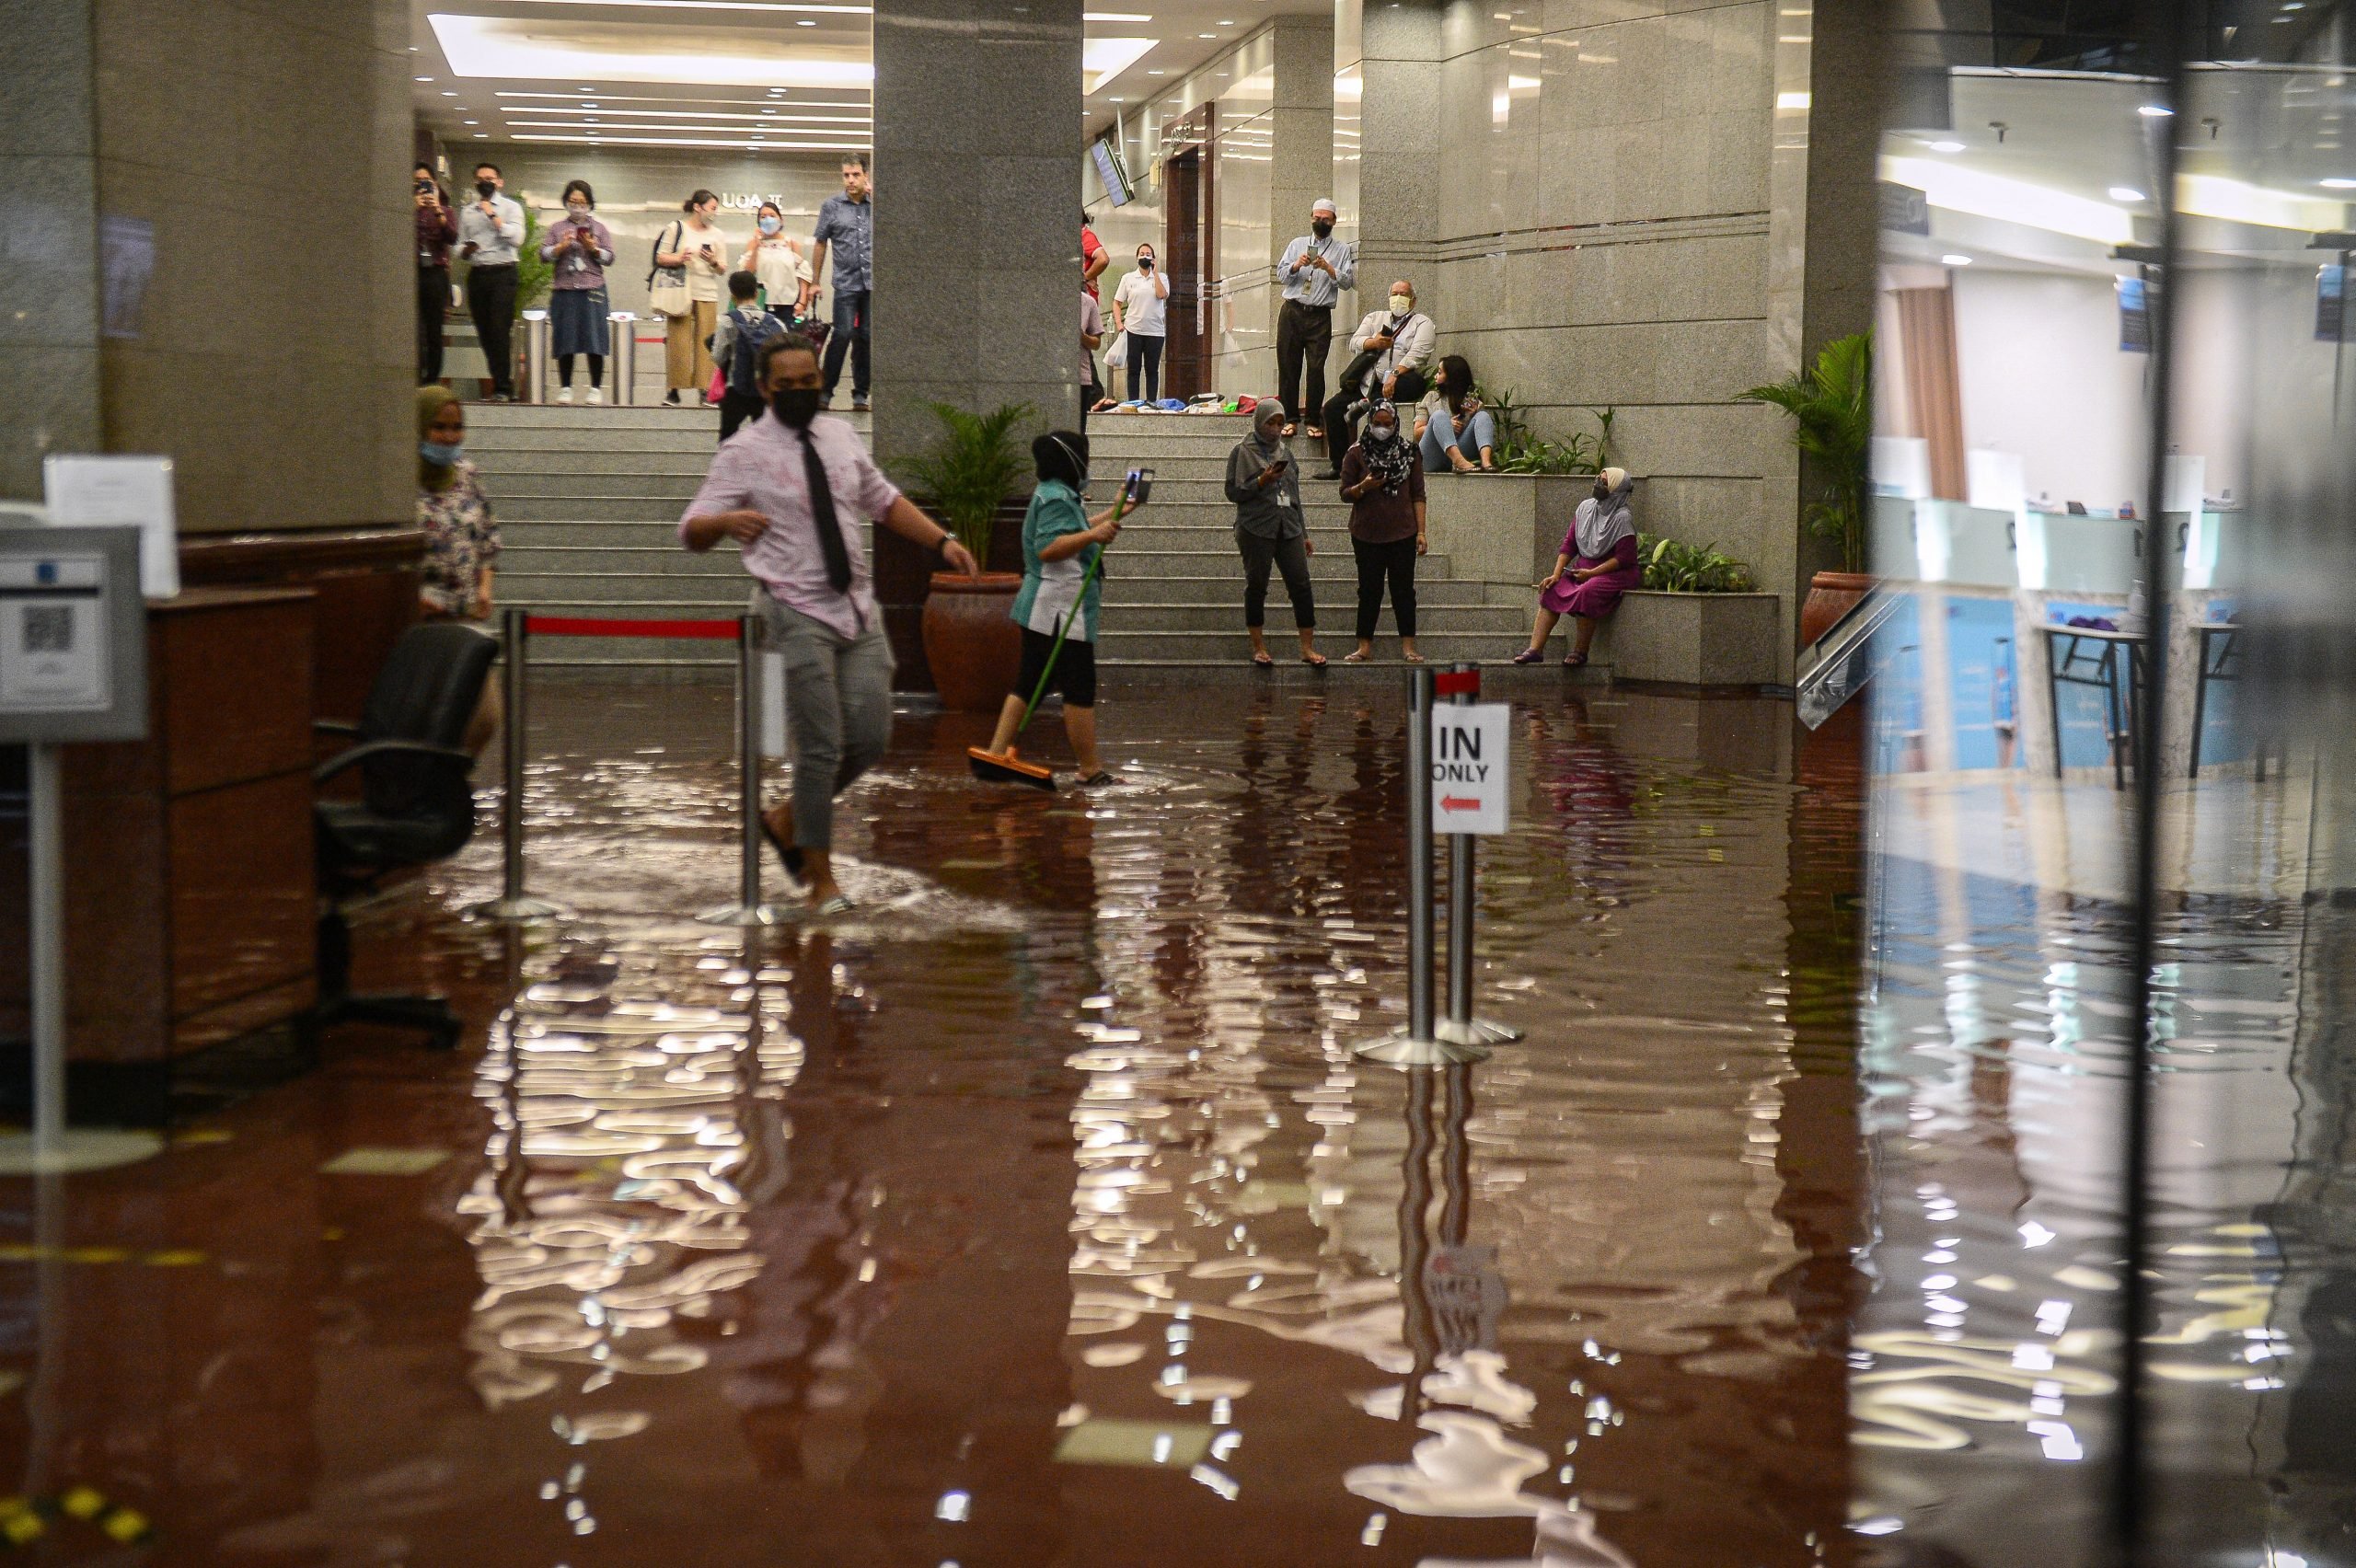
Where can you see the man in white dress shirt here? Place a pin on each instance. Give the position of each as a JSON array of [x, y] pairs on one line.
[[491, 233]]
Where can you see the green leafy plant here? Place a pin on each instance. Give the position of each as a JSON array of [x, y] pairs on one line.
[[971, 468], [1671, 567], [534, 277], [1521, 452], [1830, 403]]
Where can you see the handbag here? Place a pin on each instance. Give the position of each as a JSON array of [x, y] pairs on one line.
[[1117, 356], [668, 296]]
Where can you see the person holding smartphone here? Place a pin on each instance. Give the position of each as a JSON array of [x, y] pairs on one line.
[[1060, 543], [437, 230], [1271, 530], [490, 233], [1140, 308]]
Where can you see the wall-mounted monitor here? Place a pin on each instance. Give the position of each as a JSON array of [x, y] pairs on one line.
[[1112, 172]]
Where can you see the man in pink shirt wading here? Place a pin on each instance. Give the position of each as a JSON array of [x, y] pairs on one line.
[[792, 490]]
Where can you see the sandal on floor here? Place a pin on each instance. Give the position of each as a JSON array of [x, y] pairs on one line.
[[1411, 658], [1356, 658], [1098, 780], [1573, 661], [839, 905], [1314, 661], [1313, 433], [1530, 656], [1266, 660]]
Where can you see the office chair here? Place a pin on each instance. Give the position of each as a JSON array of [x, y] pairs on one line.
[[416, 806]]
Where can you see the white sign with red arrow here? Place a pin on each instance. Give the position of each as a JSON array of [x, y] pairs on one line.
[[1470, 767]]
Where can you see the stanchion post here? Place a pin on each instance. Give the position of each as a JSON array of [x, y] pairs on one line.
[[621, 330], [535, 356], [748, 909], [1418, 1044], [1460, 1028], [514, 903]]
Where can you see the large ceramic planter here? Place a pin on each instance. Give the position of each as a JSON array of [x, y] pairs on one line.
[[971, 640], [1830, 595]]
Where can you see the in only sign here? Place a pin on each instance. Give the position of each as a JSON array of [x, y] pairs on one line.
[[1470, 767]]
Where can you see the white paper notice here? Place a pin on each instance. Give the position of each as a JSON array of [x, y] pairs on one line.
[[86, 490], [1470, 767]]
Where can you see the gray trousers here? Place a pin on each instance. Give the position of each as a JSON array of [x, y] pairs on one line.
[[838, 710]]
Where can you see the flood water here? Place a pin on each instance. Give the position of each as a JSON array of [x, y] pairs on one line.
[[1038, 1212]]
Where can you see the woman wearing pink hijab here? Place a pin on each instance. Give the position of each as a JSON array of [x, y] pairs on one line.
[[1595, 566]]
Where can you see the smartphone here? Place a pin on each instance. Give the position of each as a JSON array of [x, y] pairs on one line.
[[1141, 486]]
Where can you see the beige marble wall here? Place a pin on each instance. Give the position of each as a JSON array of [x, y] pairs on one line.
[[1606, 206]]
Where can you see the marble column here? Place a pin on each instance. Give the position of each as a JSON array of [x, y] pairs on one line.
[[976, 223], [147, 303], [1301, 142], [1400, 72]]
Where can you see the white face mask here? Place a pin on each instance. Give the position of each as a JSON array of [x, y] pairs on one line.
[[577, 212], [770, 225], [1382, 435], [1402, 303]]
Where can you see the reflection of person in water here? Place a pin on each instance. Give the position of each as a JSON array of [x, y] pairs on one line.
[[1594, 798]]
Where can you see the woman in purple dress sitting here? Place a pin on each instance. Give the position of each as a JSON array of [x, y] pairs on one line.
[[1597, 564]]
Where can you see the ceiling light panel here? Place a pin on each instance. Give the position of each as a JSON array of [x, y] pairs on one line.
[[632, 52]]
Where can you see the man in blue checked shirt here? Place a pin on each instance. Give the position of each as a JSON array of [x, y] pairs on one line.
[[847, 231], [1316, 271]]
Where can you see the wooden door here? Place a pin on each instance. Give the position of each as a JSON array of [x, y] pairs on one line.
[[1189, 218]]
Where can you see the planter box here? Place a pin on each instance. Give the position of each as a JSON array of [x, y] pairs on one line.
[[1694, 640], [1502, 528]]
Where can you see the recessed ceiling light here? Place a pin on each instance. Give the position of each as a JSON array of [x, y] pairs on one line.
[[2339, 185], [474, 121], [2126, 193], [2155, 111], [483, 135], [1957, 260], [1207, 35], [1155, 72], [449, 94], [425, 78], [1946, 146], [1114, 16]]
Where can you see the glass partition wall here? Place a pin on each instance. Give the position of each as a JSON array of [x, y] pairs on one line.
[[2110, 1087]]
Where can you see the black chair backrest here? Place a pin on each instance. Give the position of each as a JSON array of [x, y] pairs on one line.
[[427, 691]]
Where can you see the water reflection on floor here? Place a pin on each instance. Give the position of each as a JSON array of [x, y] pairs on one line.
[[1037, 1212], [1986, 1356]]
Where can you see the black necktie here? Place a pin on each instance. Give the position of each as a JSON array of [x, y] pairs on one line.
[[822, 514]]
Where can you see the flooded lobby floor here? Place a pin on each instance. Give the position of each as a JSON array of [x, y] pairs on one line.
[[1038, 1212]]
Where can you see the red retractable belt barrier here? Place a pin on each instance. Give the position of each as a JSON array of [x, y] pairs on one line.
[[1457, 683], [589, 626]]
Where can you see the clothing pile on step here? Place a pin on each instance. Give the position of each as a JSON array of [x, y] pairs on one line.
[[1203, 403]]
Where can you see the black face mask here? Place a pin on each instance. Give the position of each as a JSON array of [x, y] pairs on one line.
[[797, 405], [1602, 490], [1320, 228], [484, 188]]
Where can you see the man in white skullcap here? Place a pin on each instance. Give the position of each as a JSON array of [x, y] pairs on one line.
[[1316, 271]]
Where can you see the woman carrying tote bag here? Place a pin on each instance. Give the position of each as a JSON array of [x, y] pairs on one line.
[[693, 249]]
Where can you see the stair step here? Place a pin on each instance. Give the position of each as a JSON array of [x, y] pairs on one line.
[[646, 454], [1229, 647]]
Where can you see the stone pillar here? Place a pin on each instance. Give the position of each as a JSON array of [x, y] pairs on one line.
[[1399, 108], [1301, 142], [147, 303], [976, 222]]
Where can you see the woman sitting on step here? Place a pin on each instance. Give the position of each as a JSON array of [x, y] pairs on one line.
[[1596, 565]]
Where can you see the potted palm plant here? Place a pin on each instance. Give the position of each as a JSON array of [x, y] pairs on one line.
[[1830, 403], [968, 473]]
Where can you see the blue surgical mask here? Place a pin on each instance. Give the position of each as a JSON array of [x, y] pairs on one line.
[[440, 453], [770, 225]]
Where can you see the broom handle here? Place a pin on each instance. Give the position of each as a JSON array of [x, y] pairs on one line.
[[1047, 672]]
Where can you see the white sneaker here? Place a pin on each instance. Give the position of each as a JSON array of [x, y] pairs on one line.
[[564, 395], [597, 395]]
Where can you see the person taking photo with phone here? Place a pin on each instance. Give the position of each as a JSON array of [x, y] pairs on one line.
[[437, 229], [1271, 530], [491, 235], [1140, 310]]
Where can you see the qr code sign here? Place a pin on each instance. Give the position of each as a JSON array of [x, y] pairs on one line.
[[48, 628]]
